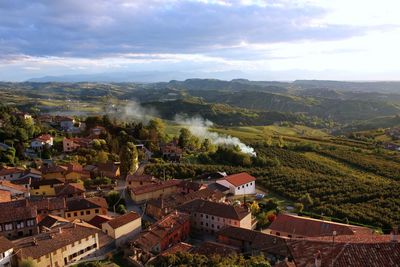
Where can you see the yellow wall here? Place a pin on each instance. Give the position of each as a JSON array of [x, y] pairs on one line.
[[44, 190], [56, 258], [154, 194], [125, 232], [86, 216]]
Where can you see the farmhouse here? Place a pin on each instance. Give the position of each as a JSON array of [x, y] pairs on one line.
[[239, 184]]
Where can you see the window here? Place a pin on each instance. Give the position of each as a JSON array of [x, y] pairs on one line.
[[68, 214], [1, 228], [87, 212], [206, 224], [201, 223], [239, 188], [212, 217], [217, 226], [8, 226], [96, 211], [242, 186], [247, 185], [82, 212], [251, 183], [206, 216], [75, 214], [201, 215], [47, 256], [30, 223]]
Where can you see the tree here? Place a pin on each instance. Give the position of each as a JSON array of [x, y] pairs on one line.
[[27, 263], [306, 200], [255, 209], [102, 157], [156, 129], [129, 159], [299, 207], [184, 138]]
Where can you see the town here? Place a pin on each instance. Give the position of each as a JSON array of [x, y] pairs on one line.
[[79, 192]]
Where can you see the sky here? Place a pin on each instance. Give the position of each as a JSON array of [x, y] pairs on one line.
[[254, 39]]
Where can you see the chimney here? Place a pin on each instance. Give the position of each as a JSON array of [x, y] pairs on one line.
[[318, 259], [60, 230]]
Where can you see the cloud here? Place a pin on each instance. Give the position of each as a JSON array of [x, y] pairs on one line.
[[96, 28]]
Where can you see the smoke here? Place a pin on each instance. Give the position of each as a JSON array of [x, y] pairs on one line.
[[131, 110], [199, 127]]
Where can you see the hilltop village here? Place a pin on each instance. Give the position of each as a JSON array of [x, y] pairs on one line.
[[92, 191]]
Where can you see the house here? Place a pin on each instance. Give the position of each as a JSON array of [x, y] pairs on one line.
[[41, 141], [31, 173], [172, 152], [98, 220], [353, 250], [45, 187], [186, 187], [85, 208], [135, 180], [161, 235], [239, 184], [52, 171], [17, 221], [158, 208], [72, 144], [123, 228], [75, 171], [48, 206], [252, 242], [51, 222], [219, 187], [11, 173], [110, 170], [292, 226], [66, 123], [69, 190], [16, 191], [5, 196], [209, 216], [60, 247], [144, 193], [209, 248], [97, 131], [6, 252]]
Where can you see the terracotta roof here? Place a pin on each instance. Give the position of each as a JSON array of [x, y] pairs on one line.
[[178, 199], [13, 186], [190, 185], [219, 187], [10, 213], [86, 203], [154, 187], [148, 239], [5, 244], [107, 167], [309, 227], [123, 219], [209, 248], [52, 220], [52, 169], [69, 189], [180, 247], [49, 204], [45, 243], [43, 138], [98, 220], [258, 240], [285, 264], [239, 178], [10, 170], [140, 178], [214, 208], [5, 196], [344, 253]]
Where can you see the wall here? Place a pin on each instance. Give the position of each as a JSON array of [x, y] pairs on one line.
[[154, 194], [5, 258], [44, 190], [246, 189], [85, 215], [125, 232]]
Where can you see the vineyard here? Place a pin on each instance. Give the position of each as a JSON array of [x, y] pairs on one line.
[[345, 183]]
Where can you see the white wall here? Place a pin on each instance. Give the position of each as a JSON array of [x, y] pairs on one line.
[[246, 189], [5, 258]]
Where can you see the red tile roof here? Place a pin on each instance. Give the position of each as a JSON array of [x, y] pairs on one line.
[[69, 189], [5, 244], [10, 170], [180, 247], [340, 254], [44, 138], [5, 196], [148, 239], [309, 227], [209, 248], [239, 179], [86, 203], [10, 213], [123, 219], [13, 186], [98, 220]]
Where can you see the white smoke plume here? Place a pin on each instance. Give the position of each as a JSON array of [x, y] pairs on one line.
[[134, 110], [200, 128]]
